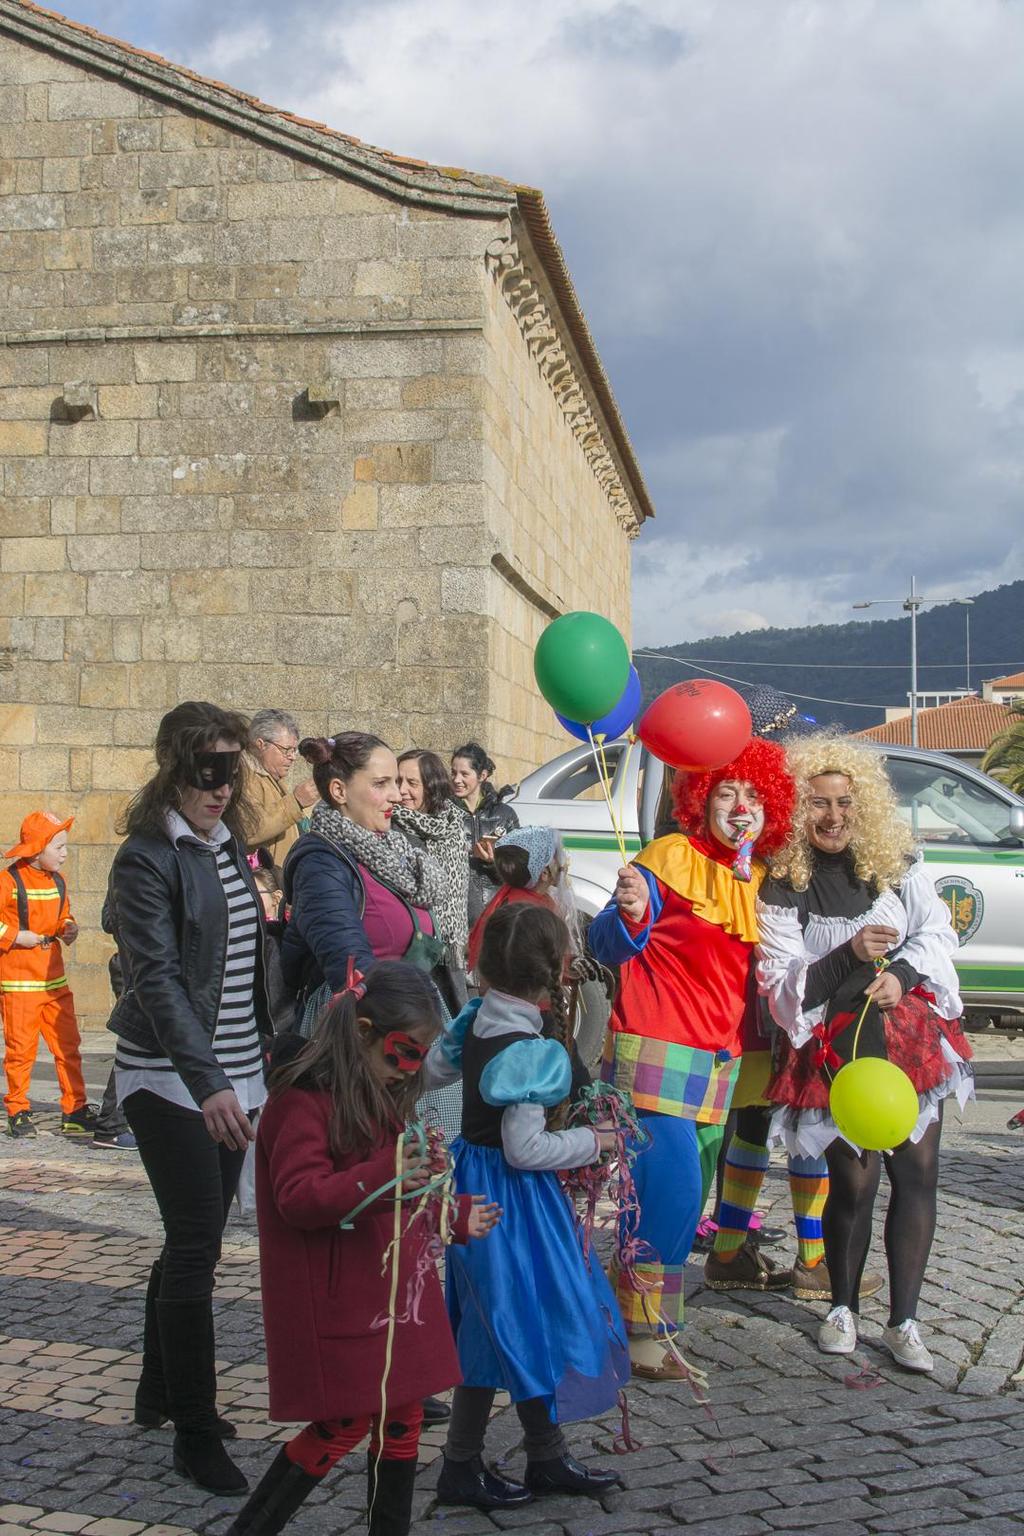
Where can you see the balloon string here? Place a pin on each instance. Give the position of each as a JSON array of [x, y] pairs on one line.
[[601, 764], [881, 964], [389, 1346]]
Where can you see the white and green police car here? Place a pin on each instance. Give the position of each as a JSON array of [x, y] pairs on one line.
[[970, 828]]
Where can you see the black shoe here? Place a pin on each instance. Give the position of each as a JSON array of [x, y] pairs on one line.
[[767, 1237], [114, 1141], [389, 1491], [435, 1412], [80, 1122], [282, 1488], [564, 1474], [474, 1484], [200, 1456], [21, 1124]]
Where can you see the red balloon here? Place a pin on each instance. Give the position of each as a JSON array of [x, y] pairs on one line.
[[696, 725]]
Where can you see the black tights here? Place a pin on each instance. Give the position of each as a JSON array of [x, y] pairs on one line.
[[471, 1410], [913, 1171]]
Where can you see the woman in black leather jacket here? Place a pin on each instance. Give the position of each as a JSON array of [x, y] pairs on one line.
[[188, 1066], [486, 818]]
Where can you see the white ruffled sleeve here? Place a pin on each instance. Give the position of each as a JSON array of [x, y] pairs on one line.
[[782, 964], [930, 943]]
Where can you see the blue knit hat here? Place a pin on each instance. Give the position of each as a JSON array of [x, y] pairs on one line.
[[540, 844]]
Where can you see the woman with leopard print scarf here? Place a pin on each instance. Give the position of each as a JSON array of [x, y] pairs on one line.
[[431, 820]]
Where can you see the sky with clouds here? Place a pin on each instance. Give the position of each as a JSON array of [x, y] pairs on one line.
[[797, 231]]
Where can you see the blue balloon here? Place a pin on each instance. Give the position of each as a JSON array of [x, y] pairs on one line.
[[617, 720]]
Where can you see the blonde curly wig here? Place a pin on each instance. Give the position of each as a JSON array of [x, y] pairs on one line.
[[881, 843]]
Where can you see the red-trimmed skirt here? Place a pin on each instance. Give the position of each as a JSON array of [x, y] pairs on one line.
[[914, 1032]]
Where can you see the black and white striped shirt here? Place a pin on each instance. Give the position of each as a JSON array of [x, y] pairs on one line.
[[236, 1042]]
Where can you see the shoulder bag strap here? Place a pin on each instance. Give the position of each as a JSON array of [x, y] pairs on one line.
[[22, 895]]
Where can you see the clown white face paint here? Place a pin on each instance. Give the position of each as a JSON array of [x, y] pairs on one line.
[[735, 813]]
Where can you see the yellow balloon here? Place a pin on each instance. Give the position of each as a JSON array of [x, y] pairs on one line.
[[874, 1103]]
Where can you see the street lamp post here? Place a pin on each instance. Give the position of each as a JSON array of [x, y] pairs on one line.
[[912, 604]]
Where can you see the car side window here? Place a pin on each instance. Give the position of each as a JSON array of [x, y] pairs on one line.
[[581, 780], [941, 806]]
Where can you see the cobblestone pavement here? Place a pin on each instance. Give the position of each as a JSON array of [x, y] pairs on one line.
[[792, 1441]]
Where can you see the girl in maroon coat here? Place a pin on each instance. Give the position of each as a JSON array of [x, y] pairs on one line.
[[344, 1349]]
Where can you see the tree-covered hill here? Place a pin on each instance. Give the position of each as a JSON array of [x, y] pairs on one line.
[[860, 663]]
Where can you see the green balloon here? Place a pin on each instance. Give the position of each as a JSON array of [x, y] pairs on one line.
[[582, 666], [874, 1103]]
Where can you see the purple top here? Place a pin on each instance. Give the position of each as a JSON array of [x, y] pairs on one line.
[[388, 925]]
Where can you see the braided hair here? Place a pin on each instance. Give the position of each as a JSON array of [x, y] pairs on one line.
[[524, 953]]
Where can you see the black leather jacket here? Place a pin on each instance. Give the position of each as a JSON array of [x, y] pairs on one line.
[[491, 818], [166, 909]]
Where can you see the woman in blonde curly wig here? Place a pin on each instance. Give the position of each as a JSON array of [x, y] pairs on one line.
[[852, 930], [880, 842]]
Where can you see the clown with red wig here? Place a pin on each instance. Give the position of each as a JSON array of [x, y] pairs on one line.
[[682, 926]]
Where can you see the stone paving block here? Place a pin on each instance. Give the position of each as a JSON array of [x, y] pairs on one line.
[[913, 1520], [751, 1501], [840, 1520], [737, 1525], [1010, 1503], [991, 1526]]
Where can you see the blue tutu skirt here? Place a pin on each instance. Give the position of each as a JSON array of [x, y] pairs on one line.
[[531, 1316]]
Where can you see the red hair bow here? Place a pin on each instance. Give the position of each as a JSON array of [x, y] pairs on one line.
[[355, 983]]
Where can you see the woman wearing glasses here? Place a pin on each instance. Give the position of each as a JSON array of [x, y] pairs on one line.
[[277, 809], [190, 1025]]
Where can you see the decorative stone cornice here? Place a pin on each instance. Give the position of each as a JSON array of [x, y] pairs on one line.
[[523, 295]]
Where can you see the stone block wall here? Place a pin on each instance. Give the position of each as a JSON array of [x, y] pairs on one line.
[[551, 520], [263, 432]]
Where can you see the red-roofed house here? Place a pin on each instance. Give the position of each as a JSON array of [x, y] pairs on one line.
[[963, 727], [1004, 690]]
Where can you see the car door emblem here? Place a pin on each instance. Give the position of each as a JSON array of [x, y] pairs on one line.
[[966, 905]]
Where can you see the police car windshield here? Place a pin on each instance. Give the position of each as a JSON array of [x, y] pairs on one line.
[[942, 807]]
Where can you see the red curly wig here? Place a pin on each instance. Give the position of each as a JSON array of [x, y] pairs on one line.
[[761, 763]]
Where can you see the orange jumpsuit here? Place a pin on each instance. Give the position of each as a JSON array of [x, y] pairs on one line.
[[35, 993]]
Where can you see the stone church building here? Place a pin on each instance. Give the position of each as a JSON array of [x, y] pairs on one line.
[[284, 420]]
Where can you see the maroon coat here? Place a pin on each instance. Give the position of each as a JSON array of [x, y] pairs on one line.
[[323, 1288]]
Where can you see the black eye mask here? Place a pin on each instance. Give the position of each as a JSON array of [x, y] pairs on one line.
[[212, 770]]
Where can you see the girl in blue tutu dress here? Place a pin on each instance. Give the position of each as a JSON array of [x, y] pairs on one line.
[[531, 1316]]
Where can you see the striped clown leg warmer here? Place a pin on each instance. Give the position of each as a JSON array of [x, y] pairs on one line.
[[808, 1184], [746, 1164]]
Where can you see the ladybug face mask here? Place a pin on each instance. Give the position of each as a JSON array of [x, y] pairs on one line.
[[402, 1052]]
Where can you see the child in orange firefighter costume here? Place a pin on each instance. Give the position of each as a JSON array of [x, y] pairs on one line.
[[35, 924]]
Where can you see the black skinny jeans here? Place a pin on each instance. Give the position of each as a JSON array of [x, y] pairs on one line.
[[194, 1179]]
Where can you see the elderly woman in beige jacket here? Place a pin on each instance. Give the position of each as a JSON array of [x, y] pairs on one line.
[[273, 745]]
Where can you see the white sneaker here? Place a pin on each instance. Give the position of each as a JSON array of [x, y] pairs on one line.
[[904, 1344], [838, 1333]]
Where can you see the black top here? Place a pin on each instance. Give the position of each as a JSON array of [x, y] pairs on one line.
[[481, 1122], [835, 890]]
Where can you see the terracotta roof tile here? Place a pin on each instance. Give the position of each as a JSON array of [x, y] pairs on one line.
[[1013, 680], [962, 725]]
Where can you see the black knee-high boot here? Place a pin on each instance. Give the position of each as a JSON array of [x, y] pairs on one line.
[[389, 1491], [282, 1488], [151, 1394], [190, 1376], [151, 1409]]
